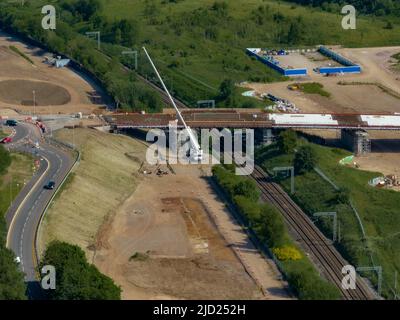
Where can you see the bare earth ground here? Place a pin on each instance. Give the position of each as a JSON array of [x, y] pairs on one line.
[[170, 220], [385, 156], [15, 67], [352, 98]]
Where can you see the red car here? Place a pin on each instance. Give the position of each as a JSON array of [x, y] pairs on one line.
[[6, 140]]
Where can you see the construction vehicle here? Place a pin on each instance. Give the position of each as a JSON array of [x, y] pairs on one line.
[[196, 153], [294, 87]]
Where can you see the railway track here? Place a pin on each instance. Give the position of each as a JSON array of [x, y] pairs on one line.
[[163, 94], [323, 253]]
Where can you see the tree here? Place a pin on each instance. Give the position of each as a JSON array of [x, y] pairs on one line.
[[84, 8], [342, 196], [117, 36], [12, 286], [76, 279], [271, 226], [129, 32], [389, 25], [248, 208], [305, 159], [294, 33], [248, 189], [287, 141], [227, 92]]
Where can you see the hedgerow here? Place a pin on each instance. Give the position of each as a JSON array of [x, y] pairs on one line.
[[268, 225]]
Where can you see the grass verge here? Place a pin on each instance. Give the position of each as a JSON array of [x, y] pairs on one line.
[[11, 183], [314, 88], [104, 178]]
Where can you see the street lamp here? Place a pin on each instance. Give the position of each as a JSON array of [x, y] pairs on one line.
[[34, 102]]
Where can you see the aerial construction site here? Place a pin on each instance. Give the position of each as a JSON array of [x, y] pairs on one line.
[[188, 152]]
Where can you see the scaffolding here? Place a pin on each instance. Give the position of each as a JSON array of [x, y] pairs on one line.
[[265, 136], [357, 141]]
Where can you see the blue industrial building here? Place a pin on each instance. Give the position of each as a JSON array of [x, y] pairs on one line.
[[274, 64], [347, 65]]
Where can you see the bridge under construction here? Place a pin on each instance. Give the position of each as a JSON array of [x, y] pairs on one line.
[[241, 118], [353, 127]]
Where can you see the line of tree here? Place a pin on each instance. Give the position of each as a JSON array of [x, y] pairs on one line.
[[270, 228]]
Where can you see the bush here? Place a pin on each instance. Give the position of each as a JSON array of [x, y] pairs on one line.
[[305, 159], [247, 208], [310, 286], [12, 286], [287, 253], [271, 226], [287, 141], [247, 188]]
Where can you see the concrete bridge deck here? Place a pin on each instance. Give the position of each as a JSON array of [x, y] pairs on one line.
[[241, 118]]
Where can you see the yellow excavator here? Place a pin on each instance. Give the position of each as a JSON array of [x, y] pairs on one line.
[[294, 87]]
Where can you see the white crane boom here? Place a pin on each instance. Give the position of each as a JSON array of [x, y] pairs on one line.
[[195, 144]]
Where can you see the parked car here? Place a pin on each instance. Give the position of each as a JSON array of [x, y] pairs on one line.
[[11, 123], [6, 140]]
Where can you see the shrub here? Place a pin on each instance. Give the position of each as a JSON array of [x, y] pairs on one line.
[[287, 141], [287, 253], [305, 159]]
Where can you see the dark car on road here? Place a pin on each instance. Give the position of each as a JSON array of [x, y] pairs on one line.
[[11, 123], [50, 185]]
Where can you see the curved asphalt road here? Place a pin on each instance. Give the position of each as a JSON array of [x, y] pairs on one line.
[[24, 215]]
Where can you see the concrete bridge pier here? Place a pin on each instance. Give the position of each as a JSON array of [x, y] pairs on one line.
[[264, 136], [356, 140]]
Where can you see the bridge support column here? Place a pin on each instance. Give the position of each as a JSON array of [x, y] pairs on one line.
[[357, 141], [264, 136]]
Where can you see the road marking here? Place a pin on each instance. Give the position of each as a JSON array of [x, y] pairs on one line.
[[23, 202], [17, 211]]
